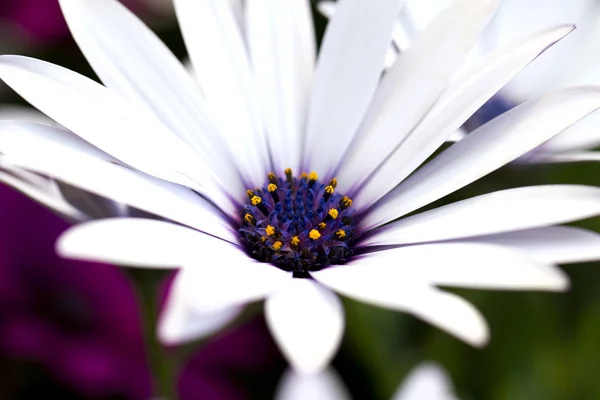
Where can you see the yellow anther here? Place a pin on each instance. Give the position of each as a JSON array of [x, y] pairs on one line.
[[272, 187], [288, 175], [314, 234], [340, 234], [249, 219], [272, 177], [313, 176], [304, 175], [333, 213], [329, 189], [333, 183], [270, 230], [263, 239], [288, 171], [346, 201], [295, 241], [277, 245], [322, 225], [250, 194], [255, 200]]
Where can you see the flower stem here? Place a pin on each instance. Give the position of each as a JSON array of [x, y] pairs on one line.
[[163, 367]]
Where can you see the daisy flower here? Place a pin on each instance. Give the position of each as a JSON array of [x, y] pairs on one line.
[[572, 62], [274, 177], [427, 381]]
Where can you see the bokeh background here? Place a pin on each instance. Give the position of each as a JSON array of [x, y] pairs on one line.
[[71, 330]]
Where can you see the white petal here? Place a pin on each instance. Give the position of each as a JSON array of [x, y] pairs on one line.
[[465, 264], [110, 122], [180, 323], [486, 149], [583, 156], [553, 244], [583, 135], [221, 66], [412, 86], [387, 286], [282, 50], [497, 212], [399, 36], [427, 381], [138, 242], [63, 156], [130, 59], [469, 91], [229, 278], [326, 385], [457, 135], [21, 113], [569, 63], [307, 322], [48, 196], [348, 71]]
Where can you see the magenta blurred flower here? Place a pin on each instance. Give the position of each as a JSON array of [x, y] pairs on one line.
[[80, 319]]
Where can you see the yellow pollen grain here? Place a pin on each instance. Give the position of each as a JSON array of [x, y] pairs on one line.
[[329, 189], [346, 201], [272, 187], [322, 225], [270, 230], [313, 176], [250, 193], [288, 171], [333, 182], [314, 234], [277, 245], [271, 176], [340, 234], [256, 200], [295, 241], [263, 239], [333, 213], [248, 218], [304, 175]]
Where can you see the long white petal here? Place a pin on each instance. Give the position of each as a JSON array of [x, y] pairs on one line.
[[486, 149], [583, 156], [552, 244], [412, 86], [48, 196], [229, 278], [282, 50], [348, 71], [218, 54], [179, 322], [399, 35], [65, 157], [469, 91], [307, 322], [110, 122], [463, 264], [427, 381], [139, 242], [326, 385], [130, 59], [385, 285], [497, 212], [584, 135]]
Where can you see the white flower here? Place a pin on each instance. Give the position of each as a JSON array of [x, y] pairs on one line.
[[427, 381], [574, 61], [152, 140]]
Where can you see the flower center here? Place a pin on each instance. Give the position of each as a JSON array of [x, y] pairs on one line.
[[298, 224]]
